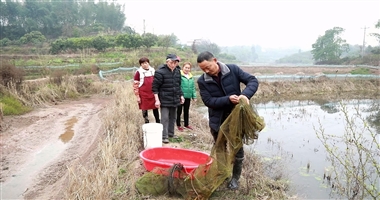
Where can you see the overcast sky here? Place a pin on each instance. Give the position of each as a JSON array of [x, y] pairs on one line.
[[269, 23]]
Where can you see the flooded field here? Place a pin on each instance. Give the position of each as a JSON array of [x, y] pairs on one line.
[[290, 137]]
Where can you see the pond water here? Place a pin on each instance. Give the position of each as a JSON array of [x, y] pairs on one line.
[[289, 141], [290, 136]]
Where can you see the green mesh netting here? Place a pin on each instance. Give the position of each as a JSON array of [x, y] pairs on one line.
[[242, 126]]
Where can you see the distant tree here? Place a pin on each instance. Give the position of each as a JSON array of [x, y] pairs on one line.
[[32, 37], [55, 18], [124, 40], [136, 41], [100, 43], [194, 47], [377, 35], [254, 54], [329, 47], [149, 40], [128, 29], [207, 45], [226, 56], [167, 41]]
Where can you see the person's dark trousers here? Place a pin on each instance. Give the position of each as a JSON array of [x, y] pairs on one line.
[[155, 113], [185, 106], [168, 119], [145, 115]]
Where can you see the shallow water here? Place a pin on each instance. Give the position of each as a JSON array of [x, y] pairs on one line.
[[290, 137], [18, 184], [289, 142]]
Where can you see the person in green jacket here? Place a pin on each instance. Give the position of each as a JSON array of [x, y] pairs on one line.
[[189, 93]]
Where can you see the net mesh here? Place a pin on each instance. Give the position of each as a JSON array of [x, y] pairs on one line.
[[241, 127]]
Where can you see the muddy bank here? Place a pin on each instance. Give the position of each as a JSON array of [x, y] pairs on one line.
[[37, 147]]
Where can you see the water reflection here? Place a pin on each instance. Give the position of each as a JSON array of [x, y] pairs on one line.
[[69, 132], [374, 117], [291, 129], [290, 138]]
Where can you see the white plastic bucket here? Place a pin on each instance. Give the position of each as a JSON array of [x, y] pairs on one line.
[[152, 135]]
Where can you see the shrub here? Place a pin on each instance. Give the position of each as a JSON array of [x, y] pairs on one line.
[[33, 37], [4, 42], [9, 73], [95, 69], [100, 43], [56, 76]]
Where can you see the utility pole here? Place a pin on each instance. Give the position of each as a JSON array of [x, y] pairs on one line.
[[363, 41], [144, 25]]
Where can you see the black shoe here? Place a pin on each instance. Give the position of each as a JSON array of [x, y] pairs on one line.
[[233, 184]]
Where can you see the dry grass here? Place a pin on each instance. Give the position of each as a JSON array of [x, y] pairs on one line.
[[113, 170], [58, 88], [115, 166], [112, 173], [311, 89]]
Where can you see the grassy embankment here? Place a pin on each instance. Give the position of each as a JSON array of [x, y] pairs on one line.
[[117, 162], [115, 166]]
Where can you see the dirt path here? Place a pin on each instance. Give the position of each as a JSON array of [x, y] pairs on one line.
[[37, 147]]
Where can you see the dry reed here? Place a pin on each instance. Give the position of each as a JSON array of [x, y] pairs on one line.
[[45, 91], [112, 173], [310, 89]]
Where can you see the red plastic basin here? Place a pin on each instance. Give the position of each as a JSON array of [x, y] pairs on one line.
[[166, 157]]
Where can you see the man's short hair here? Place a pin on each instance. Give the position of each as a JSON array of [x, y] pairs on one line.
[[205, 56]]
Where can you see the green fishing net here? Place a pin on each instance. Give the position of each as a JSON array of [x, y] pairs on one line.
[[241, 127]]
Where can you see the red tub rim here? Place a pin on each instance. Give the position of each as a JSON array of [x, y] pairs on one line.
[[171, 164]]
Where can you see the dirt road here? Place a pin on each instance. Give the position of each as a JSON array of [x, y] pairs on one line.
[[37, 147]]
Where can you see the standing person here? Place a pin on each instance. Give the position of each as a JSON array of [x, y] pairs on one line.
[[168, 94], [189, 93], [220, 90], [142, 87]]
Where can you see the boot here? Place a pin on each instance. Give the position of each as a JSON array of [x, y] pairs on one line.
[[236, 172]]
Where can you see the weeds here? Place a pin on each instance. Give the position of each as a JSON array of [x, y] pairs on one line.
[[309, 89], [12, 106], [116, 166], [361, 71], [355, 170], [10, 73]]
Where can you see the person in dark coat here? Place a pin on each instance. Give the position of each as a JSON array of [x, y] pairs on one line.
[[219, 88], [168, 94]]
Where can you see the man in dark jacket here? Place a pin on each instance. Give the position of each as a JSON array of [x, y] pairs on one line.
[[168, 94], [220, 90]]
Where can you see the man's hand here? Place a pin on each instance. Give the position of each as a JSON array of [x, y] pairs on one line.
[[138, 100], [157, 103], [182, 100], [235, 99], [243, 97]]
